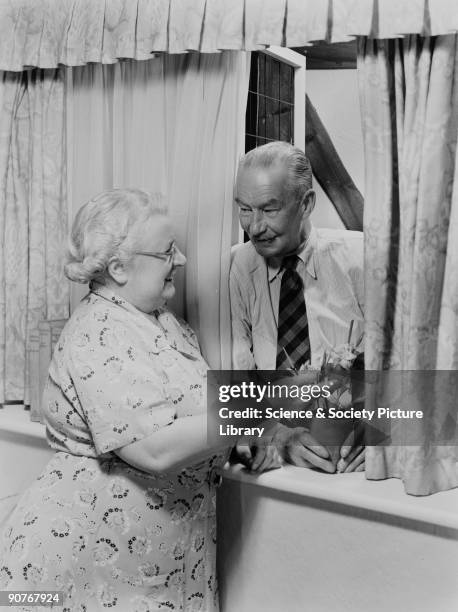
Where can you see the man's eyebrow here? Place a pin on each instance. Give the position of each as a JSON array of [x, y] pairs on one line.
[[267, 203]]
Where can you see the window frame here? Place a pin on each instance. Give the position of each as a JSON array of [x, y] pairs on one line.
[[298, 62]]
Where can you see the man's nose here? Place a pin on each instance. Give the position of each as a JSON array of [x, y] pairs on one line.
[[179, 258], [257, 225]]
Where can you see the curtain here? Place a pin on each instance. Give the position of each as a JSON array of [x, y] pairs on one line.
[[46, 33], [172, 124], [33, 217], [409, 102]]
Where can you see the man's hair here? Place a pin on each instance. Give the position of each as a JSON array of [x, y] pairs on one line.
[[298, 166], [106, 226]]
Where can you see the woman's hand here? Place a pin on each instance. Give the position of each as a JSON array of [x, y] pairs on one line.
[[260, 454], [258, 457]]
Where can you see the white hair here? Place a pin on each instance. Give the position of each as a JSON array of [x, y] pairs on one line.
[[292, 158], [105, 227]]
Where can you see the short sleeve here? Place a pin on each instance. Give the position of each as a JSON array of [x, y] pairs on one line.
[[119, 381]]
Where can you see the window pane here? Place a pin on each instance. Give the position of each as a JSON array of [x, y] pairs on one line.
[[272, 119], [261, 58], [260, 141], [270, 104], [275, 85], [253, 84], [251, 112], [286, 83], [286, 128], [250, 143], [261, 116], [272, 83], [268, 78]]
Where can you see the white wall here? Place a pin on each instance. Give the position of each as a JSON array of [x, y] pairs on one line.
[[299, 540], [23, 454], [334, 94]]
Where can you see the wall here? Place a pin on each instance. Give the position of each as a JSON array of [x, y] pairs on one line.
[[23, 451], [295, 539], [334, 94]]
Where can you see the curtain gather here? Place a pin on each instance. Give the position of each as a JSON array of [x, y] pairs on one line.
[[33, 217], [172, 124], [409, 102], [46, 33]]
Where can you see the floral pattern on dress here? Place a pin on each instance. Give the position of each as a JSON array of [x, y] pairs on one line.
[[103, 532]]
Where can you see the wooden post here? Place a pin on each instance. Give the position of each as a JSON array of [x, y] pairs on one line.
[[330, 171]]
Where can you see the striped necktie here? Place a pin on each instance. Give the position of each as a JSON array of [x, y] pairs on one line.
[[293, 344]]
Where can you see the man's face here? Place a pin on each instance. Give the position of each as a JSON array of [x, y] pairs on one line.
[[272, 221]]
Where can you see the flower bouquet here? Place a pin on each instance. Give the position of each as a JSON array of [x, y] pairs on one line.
[[333, 421]]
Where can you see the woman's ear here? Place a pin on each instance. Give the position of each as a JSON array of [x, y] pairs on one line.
[[308, 202], [117, 271]]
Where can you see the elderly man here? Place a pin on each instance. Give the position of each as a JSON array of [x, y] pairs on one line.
[[294, 289]]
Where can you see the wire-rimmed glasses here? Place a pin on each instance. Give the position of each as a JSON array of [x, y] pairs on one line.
[[167, 255]]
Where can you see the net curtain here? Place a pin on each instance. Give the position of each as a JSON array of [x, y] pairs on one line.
[[172, 124]]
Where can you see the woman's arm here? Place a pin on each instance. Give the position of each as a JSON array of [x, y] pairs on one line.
[[173, 447]]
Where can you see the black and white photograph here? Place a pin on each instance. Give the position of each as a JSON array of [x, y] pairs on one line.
[[229, 305]]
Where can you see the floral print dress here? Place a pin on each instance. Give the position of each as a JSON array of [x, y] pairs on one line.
[[106, 534]]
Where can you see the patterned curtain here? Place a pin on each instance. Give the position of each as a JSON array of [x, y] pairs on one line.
[[409, 101], [33, 217], [46, 33]]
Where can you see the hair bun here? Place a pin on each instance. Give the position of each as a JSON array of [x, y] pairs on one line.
[[76, 272], [83, 271]]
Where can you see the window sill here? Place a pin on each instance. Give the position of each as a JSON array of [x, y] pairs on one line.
[[385, 498], [14, 419]]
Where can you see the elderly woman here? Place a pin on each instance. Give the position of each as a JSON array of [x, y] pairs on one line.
[[123, 516]]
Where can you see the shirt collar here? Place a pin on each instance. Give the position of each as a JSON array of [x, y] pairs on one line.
[[159, 317], [108, 294], [306, 255]]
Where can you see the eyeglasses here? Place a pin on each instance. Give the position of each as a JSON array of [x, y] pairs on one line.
[[167, 256]]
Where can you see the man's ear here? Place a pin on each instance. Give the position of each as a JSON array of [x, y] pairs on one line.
[[117, 270], [308, 202]]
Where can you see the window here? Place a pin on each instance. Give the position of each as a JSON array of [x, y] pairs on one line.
[[270, 106], [276, 98]]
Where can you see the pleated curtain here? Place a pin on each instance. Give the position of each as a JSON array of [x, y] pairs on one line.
[[409, 102], [33, 217]]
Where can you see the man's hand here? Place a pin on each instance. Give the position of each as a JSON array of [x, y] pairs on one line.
[[299, 448], [353, 452]]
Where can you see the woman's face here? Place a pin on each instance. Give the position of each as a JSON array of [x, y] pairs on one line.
[[151, 279]]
